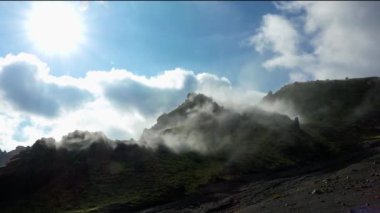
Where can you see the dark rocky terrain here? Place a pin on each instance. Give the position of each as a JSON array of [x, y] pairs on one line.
[[5, 157], [349, 186], [309, 147]]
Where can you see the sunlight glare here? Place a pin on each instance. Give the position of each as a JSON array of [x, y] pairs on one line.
[[55, 27]]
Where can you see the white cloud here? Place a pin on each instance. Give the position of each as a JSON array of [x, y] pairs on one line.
[[222, 92], [117, 102], [84, 5], [24, 86], [298, 76], [279, 35], [276, 33], [322, 39]]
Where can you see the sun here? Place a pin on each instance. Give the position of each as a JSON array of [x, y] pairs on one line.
[[55, 27]]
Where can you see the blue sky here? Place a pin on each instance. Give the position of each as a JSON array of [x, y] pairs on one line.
[[149, 37], [116, 66]]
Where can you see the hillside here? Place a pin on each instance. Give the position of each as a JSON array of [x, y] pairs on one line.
[[252, 140], [197, 146], [349, 185], [5, 157], [330, 102]]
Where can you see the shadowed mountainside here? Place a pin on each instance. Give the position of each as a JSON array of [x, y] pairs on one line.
[[197, 144], [330, 102], [5, 157]]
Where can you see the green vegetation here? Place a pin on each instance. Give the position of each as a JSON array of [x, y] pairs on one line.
[[85, 180], [331, 103]]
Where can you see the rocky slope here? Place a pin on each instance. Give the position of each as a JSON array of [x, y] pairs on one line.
[[203, 157], [352, 185], [251, 140]]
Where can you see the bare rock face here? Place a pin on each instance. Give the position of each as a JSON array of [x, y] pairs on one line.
[[201, 125]]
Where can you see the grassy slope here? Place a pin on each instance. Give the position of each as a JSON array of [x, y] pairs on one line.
[[330, 102]]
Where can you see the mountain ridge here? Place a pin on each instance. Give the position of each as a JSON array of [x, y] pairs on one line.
[[197, 144]]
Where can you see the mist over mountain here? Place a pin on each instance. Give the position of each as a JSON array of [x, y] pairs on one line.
[[188, 107], [197, 144], [262, 138]]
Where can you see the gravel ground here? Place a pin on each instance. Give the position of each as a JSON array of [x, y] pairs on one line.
[[350, 188]]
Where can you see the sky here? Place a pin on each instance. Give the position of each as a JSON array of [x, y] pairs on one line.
[[116, 66]]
